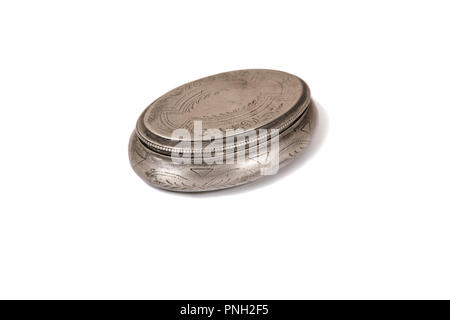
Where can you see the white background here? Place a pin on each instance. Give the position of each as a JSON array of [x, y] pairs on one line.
[[364, 213]]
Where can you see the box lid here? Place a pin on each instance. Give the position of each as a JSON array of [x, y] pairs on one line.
[[235, 103]]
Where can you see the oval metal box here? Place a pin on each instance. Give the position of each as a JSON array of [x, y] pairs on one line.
[[223, 130]]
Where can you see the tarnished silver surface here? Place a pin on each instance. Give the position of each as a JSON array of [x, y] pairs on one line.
[[244, 99]]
